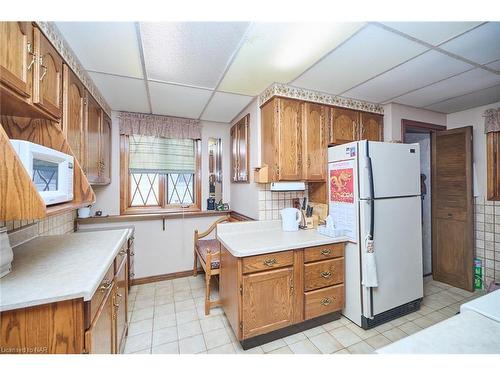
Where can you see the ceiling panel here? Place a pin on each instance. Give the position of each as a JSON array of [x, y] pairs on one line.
[[122, 94], [481, 45], [432, 32], [180, 101], [495, 65], [224, 107], [108, 47], [191, 53], [430, 67], [464, 83], [370, 52], [475, 99], [279, 52]]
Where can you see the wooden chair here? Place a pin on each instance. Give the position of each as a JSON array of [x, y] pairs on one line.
[[208, 253]]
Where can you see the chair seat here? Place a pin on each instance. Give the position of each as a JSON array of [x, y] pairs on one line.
[[209, 245]]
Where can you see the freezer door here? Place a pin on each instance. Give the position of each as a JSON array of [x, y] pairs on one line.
[[395, 166], [398, 252]]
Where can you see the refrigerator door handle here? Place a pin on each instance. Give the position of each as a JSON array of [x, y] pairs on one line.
[[371, 202]]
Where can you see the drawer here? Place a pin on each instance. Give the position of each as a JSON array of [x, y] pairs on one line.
[[323, 301], [119, 257], [313, 254], [267, 261], [324, 273], [101, 291]]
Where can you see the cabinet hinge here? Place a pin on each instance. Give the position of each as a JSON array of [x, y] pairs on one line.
[[241, 289], [241, 325]]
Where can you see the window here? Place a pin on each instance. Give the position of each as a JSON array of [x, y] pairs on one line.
[[159, 174]]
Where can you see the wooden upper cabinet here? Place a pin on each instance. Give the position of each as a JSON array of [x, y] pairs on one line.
[[16, 56], [74, 113], [314, 144], [371, 127], [289, 129], [239, 150], [493, 165], [105, 151], [47, 79], [344, 126], [276, 289], [94, 119]]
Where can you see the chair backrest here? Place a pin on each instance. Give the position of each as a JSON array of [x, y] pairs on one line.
[[212, 227]]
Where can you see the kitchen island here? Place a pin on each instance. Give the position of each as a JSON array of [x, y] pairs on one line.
[[275, 283]]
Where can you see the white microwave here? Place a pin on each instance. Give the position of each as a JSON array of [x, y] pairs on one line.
[[50, 170]]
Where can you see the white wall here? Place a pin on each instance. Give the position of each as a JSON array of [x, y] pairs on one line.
[[245, 196], [394, 113], [474, 117]]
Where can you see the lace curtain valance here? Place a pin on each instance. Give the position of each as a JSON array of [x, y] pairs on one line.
[[492, 120], [159, 126]]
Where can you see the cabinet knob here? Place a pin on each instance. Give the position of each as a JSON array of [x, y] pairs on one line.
[[326, 252], [325, 301], [326, 274], [270, 262]]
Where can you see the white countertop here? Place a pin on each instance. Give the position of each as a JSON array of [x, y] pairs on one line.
[[262, 237], [466, 333], [487, 305], [56, 268]]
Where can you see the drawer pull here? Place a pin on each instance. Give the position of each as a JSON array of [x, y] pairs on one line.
[[325, 301], [270, 262], [326, 274], [105, 285], [326, 252], [122, 252]]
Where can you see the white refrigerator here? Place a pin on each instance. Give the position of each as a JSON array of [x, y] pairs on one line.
[[374, 193]]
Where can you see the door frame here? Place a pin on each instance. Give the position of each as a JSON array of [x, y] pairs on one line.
[[428, 128]]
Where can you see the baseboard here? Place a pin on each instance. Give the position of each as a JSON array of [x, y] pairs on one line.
[[166, 276]]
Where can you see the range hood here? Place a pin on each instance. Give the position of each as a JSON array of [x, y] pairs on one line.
[[288, 186]]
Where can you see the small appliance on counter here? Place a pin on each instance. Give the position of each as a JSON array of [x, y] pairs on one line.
[[290, 219], [6, 255]]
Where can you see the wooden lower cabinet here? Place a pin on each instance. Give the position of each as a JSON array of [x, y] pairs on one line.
[[99, 337], [120, 307], [264, 293]]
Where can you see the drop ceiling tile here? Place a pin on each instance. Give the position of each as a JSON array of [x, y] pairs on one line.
[[481, 45], [180, 101], [475, 99], [223, 107], [122, 94], [495, 65], [432, 32], [423, 70], [190, 53], [464, 83], [279, 52], [108, 47], [370, 52]]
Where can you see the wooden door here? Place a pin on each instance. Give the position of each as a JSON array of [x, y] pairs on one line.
[[47, 79], [344, 125], [289, 140], [73, 114], [267, 301], [314, 142], [452, 210], [120, 306], [16, 56], [105, 150], [94, 118], [99, 338], [372, 126], [243, 149]]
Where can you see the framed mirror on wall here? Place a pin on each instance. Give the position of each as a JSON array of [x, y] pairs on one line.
[[214, 172]]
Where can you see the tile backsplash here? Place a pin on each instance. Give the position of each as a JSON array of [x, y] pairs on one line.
[[58, 224], [487, 238], [272, 202]]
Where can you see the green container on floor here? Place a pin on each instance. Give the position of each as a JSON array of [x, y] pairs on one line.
[[478, 274]]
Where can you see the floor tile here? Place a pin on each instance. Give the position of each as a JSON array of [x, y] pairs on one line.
[[294, 338], [282, 350], [184, 305], [239, 349], [189, 329], [192, 345], [138, 342], [423, 322], [409, 328], [211, 323], [360, 348], [141, 326], [186, 316], [345, 336], [363, 333], [164, 336], [167, 309], [224, 349], [164, 321], [142, 314], [183, 295], [333, 325], [216, 338], [273, 345], [164, 291], [143, 351], [304, 347], [314, 331], [170, 348], [343, 351], [164, 299], [384, 327], [436, 316], [378, 341], [394, 334], [326, 343]]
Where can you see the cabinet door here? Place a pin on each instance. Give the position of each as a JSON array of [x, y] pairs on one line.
[[120, 306], [344, 126], [73, 114], [16, 56], [99, 338], [290, 140], [243, 149], [94, 118], [47, 79], [371, 127], [267, 301], [105, 147], [314, 142], [268, 140]]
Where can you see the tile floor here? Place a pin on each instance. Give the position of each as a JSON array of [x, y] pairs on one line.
[[168, 317]]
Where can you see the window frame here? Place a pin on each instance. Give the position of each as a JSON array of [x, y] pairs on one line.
[[126, 209]]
